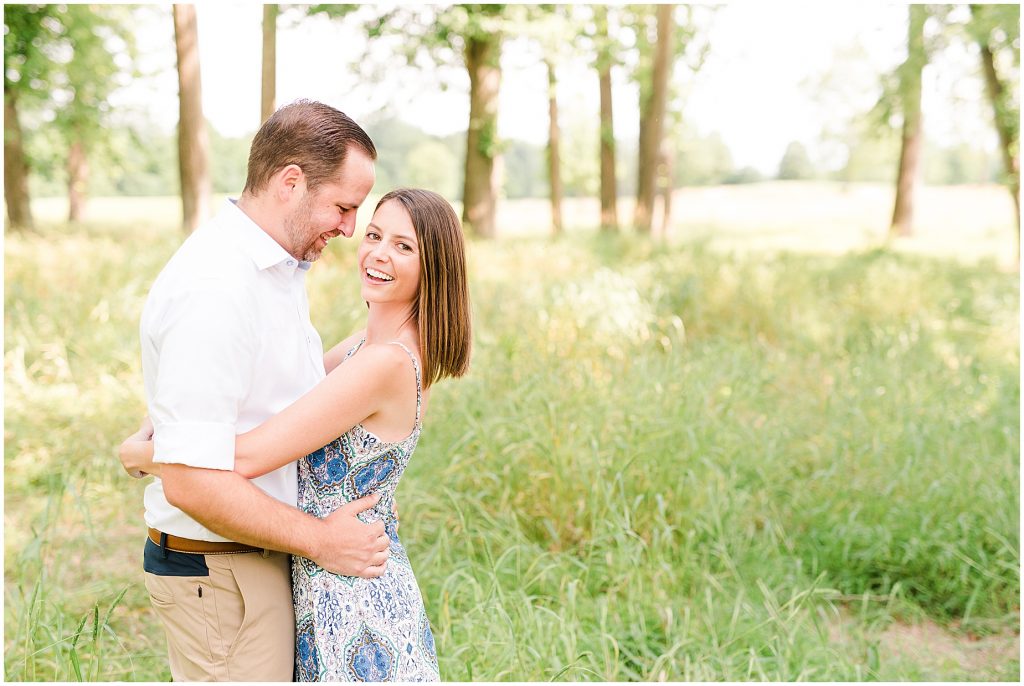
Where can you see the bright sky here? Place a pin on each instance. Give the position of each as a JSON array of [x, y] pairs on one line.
[[756, 88]]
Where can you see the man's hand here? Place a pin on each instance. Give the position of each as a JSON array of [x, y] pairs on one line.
[[351, 547], [136, 452]]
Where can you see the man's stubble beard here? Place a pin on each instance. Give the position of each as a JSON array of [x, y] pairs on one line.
[[297, 227]]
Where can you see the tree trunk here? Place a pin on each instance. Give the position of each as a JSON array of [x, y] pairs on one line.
[[554, 163], [652, 116], [193, 140], [1010, 152], [913, 131], [480, 192], [609, 187], [78, 180], [269, 92], [19, 209], [666, 177]]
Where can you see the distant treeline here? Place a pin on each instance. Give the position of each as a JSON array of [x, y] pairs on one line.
[[144, 163], [64, 64]]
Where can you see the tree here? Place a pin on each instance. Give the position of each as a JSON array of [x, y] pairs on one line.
[[548, 26], [90, 75], [913, 137], [62, 63], [795, 163], [193, 141], [19, 207], [470, 35], [996, 28], [483, 62], [653, 100], [701, 159], [664, 35], [554, 166], [26, 76], [269, 77], [605, 59]]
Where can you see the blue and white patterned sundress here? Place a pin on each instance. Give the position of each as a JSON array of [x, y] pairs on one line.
[[349, 628]]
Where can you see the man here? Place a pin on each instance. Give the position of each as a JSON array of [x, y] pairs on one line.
[[226, 343]]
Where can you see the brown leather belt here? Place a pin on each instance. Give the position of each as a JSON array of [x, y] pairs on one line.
[[188, 545]]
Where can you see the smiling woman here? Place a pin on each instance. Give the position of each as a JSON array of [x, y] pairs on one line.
[[385, 634], [389, 254]]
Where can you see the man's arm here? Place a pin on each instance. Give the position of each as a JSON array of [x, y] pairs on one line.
[[341, 543], [227, 503]]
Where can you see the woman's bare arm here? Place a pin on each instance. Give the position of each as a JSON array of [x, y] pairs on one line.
[[350, 394]]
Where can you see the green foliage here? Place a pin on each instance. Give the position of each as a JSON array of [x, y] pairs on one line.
[[962, 163], [581, 172], [665, 462], [65, 60], [27, 68], [998, 28], [701, 160], [744, 175], [489, 144], [436, 34], [901, 88], [431, 164], [691, 43], [524, 170], [795, 163], [409, 157], [595, 35], [136, 162], [229, 159]]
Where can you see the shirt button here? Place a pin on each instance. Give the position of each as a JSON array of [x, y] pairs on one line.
[[290, 263]]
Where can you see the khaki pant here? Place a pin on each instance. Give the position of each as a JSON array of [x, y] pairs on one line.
[[237, 624]]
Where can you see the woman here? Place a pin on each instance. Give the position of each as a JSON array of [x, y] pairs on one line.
[[354, 433]]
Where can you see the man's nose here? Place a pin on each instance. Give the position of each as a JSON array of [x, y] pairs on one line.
[[347, 224]]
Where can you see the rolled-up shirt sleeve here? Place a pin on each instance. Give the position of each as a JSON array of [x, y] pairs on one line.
[[206, 349]]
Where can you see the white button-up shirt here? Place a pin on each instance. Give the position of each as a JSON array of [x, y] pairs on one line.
[[226, 343]]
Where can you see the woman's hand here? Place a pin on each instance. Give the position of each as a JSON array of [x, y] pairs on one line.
[[136, 452]]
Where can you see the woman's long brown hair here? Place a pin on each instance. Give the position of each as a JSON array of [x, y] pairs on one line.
[[442, 308]]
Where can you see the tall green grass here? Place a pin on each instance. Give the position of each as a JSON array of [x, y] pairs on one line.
[[666, 462]]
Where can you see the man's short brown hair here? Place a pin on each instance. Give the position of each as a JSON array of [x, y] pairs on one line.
[[312, 135]]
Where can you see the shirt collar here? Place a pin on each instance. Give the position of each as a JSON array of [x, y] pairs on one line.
[[264, 251]]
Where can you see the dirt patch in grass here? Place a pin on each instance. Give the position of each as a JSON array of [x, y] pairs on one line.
[[928, 643], [926, 650]]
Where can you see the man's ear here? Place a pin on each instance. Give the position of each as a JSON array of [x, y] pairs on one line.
[[289, 182]]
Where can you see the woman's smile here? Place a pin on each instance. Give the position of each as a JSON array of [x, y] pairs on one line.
[[377, 276]]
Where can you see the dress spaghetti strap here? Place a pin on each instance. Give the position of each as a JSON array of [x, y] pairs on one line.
[[416, 367]]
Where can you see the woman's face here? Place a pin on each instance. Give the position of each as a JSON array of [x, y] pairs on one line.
[[389, 256]]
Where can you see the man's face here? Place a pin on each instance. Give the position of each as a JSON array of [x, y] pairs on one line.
[[330, 210]]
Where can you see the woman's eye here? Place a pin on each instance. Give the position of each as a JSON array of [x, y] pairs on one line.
[[405, 246]]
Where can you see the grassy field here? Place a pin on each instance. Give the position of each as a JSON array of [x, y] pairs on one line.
[[678, 460]]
